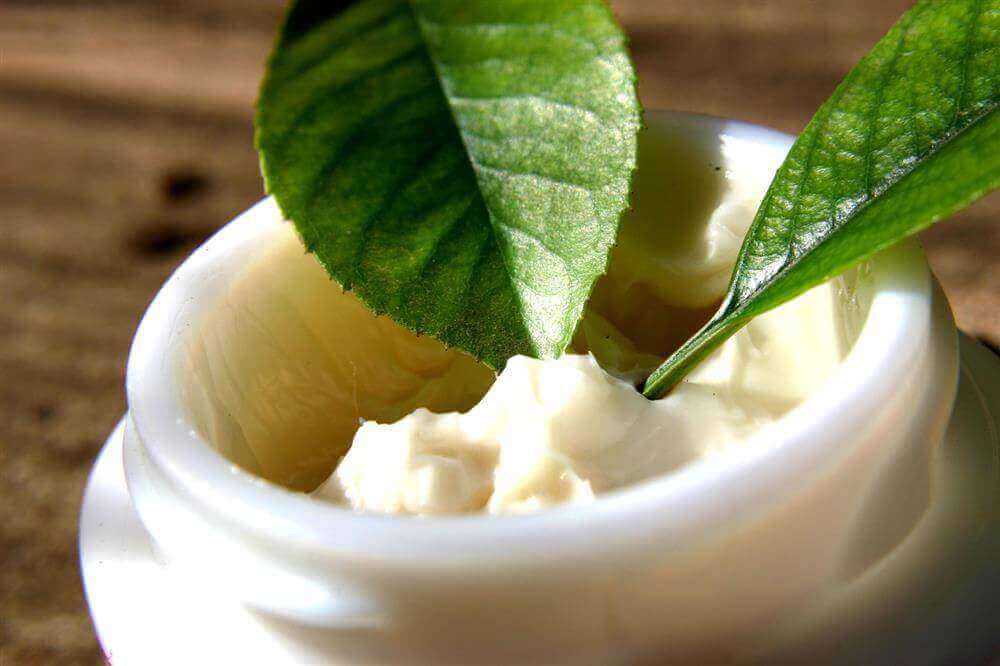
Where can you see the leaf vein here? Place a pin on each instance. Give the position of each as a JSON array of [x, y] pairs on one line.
[[355, 139], [520, 173], [508, 25], [338, 46], [547, 101], [875, 114], [538, 240], [388, 199], [966, 60], [343, 86]]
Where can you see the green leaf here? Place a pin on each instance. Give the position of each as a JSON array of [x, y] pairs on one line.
[[460, 164], [910, 136]]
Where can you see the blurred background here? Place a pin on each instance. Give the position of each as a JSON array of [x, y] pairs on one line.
[[126, 139]]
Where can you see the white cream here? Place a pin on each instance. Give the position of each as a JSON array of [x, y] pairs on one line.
[[566, 430]]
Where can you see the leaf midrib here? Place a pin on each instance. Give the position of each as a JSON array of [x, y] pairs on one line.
[[944, 142], [476, 167], [468, 157], [818, 131]]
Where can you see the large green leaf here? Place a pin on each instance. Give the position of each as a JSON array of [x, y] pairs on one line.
[[910, 136], [460, 164]]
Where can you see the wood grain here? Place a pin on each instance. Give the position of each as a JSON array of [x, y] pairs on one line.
[[126, 138]]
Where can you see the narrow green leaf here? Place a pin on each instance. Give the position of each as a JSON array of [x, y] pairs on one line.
[[910, 136], [460, 164]]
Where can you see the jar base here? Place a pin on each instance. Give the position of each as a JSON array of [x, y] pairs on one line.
[[145, 613]]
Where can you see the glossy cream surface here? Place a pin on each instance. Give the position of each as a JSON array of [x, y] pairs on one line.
[[566, 430]]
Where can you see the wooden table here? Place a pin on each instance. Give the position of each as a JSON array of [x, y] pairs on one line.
[[125, 139]]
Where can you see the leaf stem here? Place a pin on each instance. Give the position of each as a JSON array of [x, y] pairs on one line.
[[690, 354]]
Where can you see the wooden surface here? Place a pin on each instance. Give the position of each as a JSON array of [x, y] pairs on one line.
[[125, 139]]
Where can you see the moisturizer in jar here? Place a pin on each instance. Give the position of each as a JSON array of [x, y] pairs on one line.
[[565, 430], [299, 383]]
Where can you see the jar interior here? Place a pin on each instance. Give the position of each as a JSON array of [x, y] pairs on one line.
[[284, 366]]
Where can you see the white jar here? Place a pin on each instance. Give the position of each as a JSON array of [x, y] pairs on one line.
[[703, 564]]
